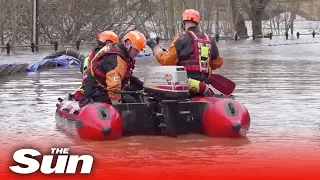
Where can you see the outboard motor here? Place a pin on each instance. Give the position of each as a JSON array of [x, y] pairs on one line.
[[168, 87], [166, 82]]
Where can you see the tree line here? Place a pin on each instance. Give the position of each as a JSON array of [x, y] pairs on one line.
[[67, 21]]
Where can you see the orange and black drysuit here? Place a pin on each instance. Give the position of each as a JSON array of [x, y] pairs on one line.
[[106, 72], [195, 51]]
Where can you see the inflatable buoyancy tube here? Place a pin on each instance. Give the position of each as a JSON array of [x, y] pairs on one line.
[[99, 121]]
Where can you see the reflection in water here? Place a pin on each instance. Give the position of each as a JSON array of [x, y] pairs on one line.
[[280, 91]]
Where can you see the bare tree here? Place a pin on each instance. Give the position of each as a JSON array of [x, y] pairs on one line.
[[2, 23], [254, 9]]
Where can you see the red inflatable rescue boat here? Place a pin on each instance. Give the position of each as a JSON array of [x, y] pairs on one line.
[[164, 107]]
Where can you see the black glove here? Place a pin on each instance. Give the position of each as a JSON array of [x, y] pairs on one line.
[[134, 85], [136, 81], [151, 43]]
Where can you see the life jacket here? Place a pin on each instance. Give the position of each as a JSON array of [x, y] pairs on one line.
[[202, 52], [94, 64], [87, 60], [85, 63]]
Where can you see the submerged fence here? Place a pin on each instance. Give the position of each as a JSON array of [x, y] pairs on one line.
[[78, 43]]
